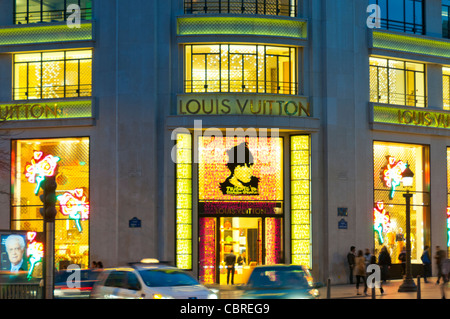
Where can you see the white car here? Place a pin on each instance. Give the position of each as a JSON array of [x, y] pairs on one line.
[[149, 281]]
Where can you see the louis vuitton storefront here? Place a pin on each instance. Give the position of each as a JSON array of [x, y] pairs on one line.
[[232, 197]]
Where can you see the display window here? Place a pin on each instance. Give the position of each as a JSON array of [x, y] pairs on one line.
[[389, 213], [52, 75], [243, 68], [240, 187], [68, 160]]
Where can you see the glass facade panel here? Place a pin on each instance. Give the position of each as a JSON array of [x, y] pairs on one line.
[[241, 68], [300, 200], [36, 11], [397, 82], [70, 159], [446, 87], [267, 7], [445, 18], [52, 75], [389, 213], [401, 15]]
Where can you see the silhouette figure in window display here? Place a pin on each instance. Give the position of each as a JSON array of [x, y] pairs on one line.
[[241, 181]]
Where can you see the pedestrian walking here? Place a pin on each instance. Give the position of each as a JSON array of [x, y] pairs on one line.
[[360, 271], [402, 259], [384, 261], [426, 263], [439, 257], [351, 262]]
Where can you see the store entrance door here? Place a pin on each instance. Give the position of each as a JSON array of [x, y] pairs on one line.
[[252, 240], [241, 237]]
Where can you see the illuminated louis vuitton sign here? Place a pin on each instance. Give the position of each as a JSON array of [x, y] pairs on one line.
[[242, 104], [46, 110], [411, 116]]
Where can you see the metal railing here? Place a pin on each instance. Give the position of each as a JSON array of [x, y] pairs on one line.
[[398, 98], [264, 7], [21, 291], [48, 16], [239, 86], [52, 92]]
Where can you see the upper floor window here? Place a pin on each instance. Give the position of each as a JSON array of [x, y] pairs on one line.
[[268, 7], [52, 75], [446, 87], [397, 82], [240, 68], [445, 18], [402, 15], [34, 11]]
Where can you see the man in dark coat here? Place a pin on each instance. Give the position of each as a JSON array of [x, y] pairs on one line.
[[230, 261]]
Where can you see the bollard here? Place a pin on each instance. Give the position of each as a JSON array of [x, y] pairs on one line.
[[418, 288], [328, 288]]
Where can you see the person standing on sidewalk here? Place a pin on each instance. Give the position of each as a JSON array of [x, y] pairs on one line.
[[351, 262], [439, 257], [360, 271], [426, 263], [384, 261]]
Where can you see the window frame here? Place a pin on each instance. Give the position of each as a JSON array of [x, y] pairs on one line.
[[407, 97], [225, 83], [403, 26], [81, 89], [86, 12]]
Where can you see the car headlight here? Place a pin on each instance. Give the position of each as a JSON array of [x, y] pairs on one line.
[[159, 296], [213, 295], [314, 293]]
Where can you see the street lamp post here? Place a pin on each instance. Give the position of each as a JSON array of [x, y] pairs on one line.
[[408, 284]]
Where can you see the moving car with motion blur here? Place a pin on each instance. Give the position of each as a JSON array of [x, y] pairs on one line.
[[75, 284], [149, 279], [280, 282]]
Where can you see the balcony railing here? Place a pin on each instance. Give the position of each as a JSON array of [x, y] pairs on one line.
[[49, 16], [239, 86], [264, 7], [398, 98], [52, 92]]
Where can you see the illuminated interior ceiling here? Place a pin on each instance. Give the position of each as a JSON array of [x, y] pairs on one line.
[[388, 40], [242, 25], [33, 34]]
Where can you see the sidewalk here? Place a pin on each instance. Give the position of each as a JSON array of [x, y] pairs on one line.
[[427, 291]]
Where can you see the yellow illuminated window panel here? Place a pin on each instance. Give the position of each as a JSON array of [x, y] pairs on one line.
[[300, 200], [52, 75], [184, 201], [397, 82], [240, 68]]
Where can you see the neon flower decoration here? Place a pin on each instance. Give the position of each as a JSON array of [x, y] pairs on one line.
[[75, 205], [40, 167], [35, 252], [381, 221], [392, 174]]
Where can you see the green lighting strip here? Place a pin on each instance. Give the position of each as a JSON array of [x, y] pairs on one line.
[[242, 26], [389, 40], [51, 110], [30, 34]]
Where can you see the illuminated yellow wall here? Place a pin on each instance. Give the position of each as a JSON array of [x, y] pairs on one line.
[[446, 87], [52, 75], [301, 200], [184, 202]]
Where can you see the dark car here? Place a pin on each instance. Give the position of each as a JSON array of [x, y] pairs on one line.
[[68, 287], [281, 282]]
